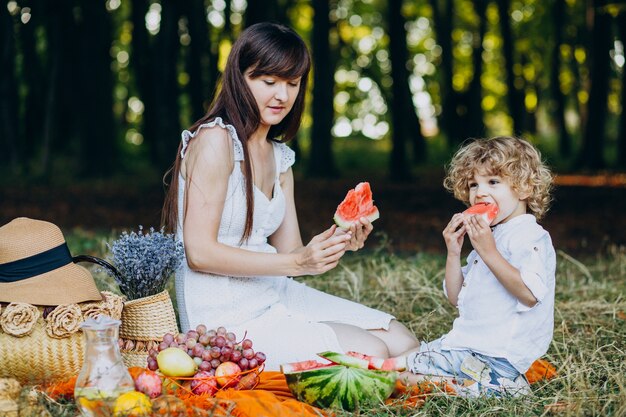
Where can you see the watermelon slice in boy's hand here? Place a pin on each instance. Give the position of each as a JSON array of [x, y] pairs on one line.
[[487, 211], [358, 203]]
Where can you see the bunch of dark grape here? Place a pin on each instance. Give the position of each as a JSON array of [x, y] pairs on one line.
[[210, 348]]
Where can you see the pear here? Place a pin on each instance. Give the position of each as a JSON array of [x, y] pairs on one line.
[[175, 362]]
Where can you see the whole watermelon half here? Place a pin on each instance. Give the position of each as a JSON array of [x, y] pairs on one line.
[[338, 386]]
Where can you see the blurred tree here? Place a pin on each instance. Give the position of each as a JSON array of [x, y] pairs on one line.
[[266, 11], [34, 81], [621, 139], [405, 123], [167, 48], [8, 92], [591, 153], [97, 132], [142, 64], [472, 117], [200, 57], [514, 95], [321, 162], [60, 114], [558, 110], [443, 12]]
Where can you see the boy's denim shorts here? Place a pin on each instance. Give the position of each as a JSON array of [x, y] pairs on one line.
[[491, 375]]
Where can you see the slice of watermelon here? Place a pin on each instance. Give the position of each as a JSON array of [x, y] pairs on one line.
[[389, 364], [487, 211], [358, 203], [347, 360]]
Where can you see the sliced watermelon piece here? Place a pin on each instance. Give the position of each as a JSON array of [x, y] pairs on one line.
[[338, 386], [487, 211], [389, 364], [357, 203], [347, 360], [288, 368]]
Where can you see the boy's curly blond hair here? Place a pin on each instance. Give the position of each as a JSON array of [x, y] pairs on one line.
[[514, 159]]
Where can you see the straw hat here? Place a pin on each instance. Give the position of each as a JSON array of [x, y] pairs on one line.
[[36, 266]]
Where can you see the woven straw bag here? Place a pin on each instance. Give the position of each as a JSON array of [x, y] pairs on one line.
[[38, 358], [144, 322]]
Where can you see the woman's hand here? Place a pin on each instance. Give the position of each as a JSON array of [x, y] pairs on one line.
[[323, 252], [454, 234], [358, 233]]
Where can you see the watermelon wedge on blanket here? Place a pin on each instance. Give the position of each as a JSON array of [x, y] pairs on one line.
[[487, 211], [357, 203], [330, 385]]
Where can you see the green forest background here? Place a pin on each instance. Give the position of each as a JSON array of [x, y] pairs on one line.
[[102, 89]]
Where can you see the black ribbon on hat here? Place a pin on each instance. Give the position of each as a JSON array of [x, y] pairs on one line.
[[35, 265]]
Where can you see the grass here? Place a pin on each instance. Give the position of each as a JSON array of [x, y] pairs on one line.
[[589, 343]]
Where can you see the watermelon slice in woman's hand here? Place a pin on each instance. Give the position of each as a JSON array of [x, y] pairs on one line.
[[358, 203], [487, 211]]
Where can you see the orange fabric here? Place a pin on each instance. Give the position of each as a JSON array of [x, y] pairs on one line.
[[261, 403], [63, 389], [414, 396], [540, 370]]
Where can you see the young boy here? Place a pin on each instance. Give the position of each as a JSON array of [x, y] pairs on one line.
[[505, 292]]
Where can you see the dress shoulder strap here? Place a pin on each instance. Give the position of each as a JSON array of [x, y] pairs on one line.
[[187, 135], [285, 158]]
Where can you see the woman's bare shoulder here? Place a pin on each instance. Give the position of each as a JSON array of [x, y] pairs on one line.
[[211, 149]]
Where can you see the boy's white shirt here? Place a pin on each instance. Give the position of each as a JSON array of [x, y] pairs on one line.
[[492, 321]]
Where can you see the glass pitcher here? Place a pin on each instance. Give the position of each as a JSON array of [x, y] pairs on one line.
[[103, 377]]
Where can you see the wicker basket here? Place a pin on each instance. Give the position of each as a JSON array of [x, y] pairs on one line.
[[38, 358], [144, 322]]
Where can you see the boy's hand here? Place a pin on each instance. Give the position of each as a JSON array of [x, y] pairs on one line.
[[454, 234], [480, 234]]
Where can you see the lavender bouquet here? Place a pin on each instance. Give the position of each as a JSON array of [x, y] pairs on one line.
[[144, 261]]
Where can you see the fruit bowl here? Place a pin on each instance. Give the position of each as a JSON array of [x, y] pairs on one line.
[[211, 384]]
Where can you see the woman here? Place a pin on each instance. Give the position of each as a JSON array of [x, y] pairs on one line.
[[231, 202]]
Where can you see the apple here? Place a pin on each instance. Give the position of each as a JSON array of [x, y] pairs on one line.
[[227, 374]]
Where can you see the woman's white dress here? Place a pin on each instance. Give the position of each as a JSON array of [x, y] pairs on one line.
[[284, 318]]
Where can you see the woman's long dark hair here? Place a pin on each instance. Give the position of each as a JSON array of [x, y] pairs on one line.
[[266, 49]]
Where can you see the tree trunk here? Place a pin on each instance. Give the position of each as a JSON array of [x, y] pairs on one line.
[[166, 50], [591, 155], [621, 138], [515, 96], [8, 92], [258, 11], [97, 124], [558, 20], [449, 121], [529, 118], [405, 123], [58, 110], [33, 78], [141, 65], [474, 115], [198, 58], [321, 163]]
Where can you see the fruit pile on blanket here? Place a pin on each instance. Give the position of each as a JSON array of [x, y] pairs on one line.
[[201, 361], [345, 381]]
